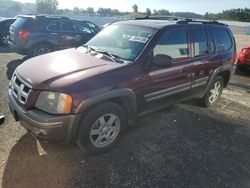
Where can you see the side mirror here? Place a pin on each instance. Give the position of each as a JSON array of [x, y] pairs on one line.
[[162, 60]]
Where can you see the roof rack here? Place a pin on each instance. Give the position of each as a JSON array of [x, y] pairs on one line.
[[51, 16], [160, 17], [187, 21]]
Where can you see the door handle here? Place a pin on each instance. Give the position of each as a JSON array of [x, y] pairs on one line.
[[54, 33]]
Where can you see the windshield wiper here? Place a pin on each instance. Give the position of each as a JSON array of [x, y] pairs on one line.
[[88, 47], [113, 57]]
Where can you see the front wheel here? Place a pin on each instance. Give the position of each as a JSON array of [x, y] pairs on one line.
[[101, 127], [214, 92]]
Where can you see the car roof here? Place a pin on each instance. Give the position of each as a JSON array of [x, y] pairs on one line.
[[6, 19], [157, 24], [160, 23]]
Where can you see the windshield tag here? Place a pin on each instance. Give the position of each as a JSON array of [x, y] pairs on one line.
[[99, 56], [139, 39]]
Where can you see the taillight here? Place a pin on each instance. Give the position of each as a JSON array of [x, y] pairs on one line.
[[246, 52], [23, 35]]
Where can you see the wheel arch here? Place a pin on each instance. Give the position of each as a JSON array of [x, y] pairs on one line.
[[224, 71], [125, 98], [42, 42]]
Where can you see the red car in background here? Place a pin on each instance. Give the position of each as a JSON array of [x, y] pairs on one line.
[[244, 58]]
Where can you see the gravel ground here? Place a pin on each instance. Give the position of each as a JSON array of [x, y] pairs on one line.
[[184, 145]]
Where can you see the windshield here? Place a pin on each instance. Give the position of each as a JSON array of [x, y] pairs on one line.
[[124, 41]]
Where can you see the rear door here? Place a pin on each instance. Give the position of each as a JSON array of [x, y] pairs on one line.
[[213, 47], [203, 52], [61, 31]]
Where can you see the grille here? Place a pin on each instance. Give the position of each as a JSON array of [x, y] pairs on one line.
[[20, 89]]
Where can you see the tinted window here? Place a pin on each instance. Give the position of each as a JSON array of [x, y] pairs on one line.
[[67, 26], [20, 22], [82, 29], [200, 42], [174, 43], [210, 43], [91, 24], [54, 26], [222, 40]]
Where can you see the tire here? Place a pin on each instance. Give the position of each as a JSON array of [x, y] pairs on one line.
[[40, 49], [241, 67], [96, 134], [214, 92], [4, 40]]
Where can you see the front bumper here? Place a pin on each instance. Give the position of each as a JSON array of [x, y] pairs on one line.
[[44, 126]]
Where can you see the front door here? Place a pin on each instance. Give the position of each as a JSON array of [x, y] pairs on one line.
[[170, 68]]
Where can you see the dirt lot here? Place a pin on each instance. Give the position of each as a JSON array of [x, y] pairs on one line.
[[184, 145]]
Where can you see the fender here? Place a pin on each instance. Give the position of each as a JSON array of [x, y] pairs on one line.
[[226, 67], [110, 95]]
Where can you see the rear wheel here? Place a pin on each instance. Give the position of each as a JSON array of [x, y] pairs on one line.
[[41, 49], [101, 127], [4, 40], [214, 92]]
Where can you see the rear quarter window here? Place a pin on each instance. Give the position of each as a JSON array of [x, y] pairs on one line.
[[222, 40], [20, 23]]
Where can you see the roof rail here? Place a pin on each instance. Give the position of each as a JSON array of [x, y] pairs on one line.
[[187, 21], [51, 16], [41, 16], [160, 17]]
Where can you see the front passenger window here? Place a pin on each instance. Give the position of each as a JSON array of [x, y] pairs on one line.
[[173, 44]]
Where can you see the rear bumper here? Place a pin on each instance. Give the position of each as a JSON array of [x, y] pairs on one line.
[[18, 48], [44, 126]]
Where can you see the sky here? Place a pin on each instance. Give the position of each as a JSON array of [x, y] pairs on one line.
[[197, 6]]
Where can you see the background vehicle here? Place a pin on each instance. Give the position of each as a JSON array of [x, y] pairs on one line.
[[38, 34], [127, 70], [4, 30], [244, 59]]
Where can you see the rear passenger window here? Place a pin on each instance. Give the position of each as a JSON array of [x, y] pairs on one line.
[[200, 42], [174, 43], [222, 40], [54, 26], [67, 26], [210, 43]]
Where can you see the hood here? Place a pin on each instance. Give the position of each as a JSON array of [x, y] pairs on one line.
[[64, 67]]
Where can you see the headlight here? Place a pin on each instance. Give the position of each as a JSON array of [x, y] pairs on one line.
[[53, 102]]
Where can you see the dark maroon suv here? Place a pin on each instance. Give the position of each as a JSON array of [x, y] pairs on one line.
[[92, 93]]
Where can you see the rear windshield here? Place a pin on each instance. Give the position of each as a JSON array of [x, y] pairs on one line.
[[20, 23]]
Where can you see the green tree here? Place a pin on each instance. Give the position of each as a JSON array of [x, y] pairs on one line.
[[90, 11], [76, 11], [135, 8], [46, 6], [162, 12], [148, 12]]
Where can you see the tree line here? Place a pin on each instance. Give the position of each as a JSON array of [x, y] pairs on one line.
[[10, 8], [238, 14]]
